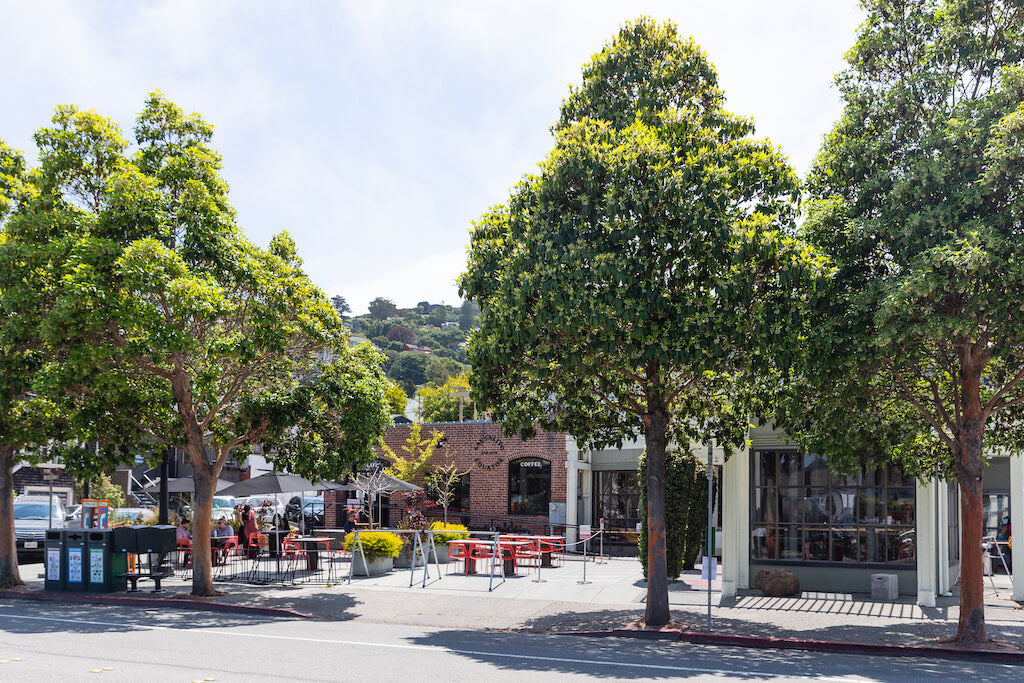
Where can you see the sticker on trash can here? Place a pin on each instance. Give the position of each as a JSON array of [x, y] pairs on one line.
[[53, 564], [74, 565], [96, 565]]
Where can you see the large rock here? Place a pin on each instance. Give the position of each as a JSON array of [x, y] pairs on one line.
[[777, 583]]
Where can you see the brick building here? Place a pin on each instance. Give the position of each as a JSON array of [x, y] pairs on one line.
[[511, 483]]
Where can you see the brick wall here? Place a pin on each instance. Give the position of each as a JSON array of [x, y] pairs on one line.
[[481, 448]]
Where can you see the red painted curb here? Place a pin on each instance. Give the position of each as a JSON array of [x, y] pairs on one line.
[[804, 644], [202, 605]]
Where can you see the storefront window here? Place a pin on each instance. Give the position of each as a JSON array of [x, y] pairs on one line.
[[529, 486], [617, 502], [802, 513]]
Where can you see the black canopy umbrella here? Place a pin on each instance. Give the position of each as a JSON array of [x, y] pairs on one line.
[[271, 482], [183, 485]]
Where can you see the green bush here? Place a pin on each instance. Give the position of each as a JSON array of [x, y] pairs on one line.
[[449, 532], [376, 544], [686, 508]]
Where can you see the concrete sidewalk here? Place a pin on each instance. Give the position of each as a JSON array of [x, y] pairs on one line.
[[612, 598]]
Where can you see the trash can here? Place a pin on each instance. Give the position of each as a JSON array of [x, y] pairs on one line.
[[123, 540], [106, 566], [53, 557], [156, 538], [74, 559]]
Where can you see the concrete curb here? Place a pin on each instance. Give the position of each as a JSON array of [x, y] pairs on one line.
[[201, 605], [1006, 657]]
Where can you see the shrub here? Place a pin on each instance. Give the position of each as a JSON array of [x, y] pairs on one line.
[[449, 532], [376, 544], [686, 506]]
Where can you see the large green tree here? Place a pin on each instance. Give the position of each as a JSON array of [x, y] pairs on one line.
[[35, 423], [618, 285], [172, 322], [915, 353]]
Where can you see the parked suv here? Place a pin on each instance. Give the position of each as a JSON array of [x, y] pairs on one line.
[[33, 515]]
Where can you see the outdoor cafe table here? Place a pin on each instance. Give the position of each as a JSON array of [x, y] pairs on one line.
[[311, 546]]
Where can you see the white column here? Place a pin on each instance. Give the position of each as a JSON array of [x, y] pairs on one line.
[[927, 562], [736, 523], [571, 468], [1017, 523], [942, 542]]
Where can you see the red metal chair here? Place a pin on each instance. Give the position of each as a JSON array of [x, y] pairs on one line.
[[183, 557], [457, 551]]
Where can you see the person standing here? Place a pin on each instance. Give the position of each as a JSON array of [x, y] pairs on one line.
[[249, 527]]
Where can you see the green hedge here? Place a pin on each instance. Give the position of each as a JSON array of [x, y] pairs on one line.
[[376, 543], [686, 510], [448, 532]]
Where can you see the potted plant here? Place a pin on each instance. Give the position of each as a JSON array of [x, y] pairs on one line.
[[380, 549], [414, 502], [443, 533]]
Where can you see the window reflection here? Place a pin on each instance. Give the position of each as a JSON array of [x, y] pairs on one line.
[[801, 512]]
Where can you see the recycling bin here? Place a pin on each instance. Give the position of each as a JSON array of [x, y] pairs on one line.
[[106, 566], [74, 559], [53, 557]]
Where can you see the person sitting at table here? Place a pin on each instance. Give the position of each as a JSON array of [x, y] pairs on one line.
[[221, 533], [350, 523], [183, 532]]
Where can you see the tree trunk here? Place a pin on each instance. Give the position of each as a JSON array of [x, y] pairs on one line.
[[967, 457], [9, 575], [655, 429], [202, 511]]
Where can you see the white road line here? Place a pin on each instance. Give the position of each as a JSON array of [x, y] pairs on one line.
[[396, 646]]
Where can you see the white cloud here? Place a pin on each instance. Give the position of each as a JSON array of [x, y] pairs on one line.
[[377, 131]]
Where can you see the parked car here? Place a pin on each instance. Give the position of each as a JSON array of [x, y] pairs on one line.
[[223, 506], [73, 520], [33, 515], [313, 511]]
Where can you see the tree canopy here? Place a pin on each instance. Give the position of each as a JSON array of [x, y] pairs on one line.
[[915, 347], [619, 284], [170, 323], [382, 309]]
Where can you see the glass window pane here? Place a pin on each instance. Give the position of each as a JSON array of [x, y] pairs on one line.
[[900, 545], [841, 505], [815, 471], [901, 507], [765, 469], [790, 508], [790, 546], [763, 543], [789, 469], [847, 479], [870, 506], [873, 541], [845, 544], [816, 544]]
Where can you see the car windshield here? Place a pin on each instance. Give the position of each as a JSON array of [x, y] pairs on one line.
[[223, 502], [33, 511]]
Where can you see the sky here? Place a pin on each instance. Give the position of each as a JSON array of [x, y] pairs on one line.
[[376, 132]]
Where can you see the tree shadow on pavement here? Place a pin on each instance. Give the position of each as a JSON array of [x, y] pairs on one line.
[[627, 658]]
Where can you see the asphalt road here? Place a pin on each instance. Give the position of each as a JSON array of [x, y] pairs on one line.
[[66, 642]]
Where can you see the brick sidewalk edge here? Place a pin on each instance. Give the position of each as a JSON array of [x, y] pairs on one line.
[[1004, 656], [203, 605]]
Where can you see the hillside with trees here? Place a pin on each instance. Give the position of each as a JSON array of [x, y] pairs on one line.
[[424, 346]]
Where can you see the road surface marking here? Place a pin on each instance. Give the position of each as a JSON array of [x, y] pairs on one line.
[[434, 648]]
